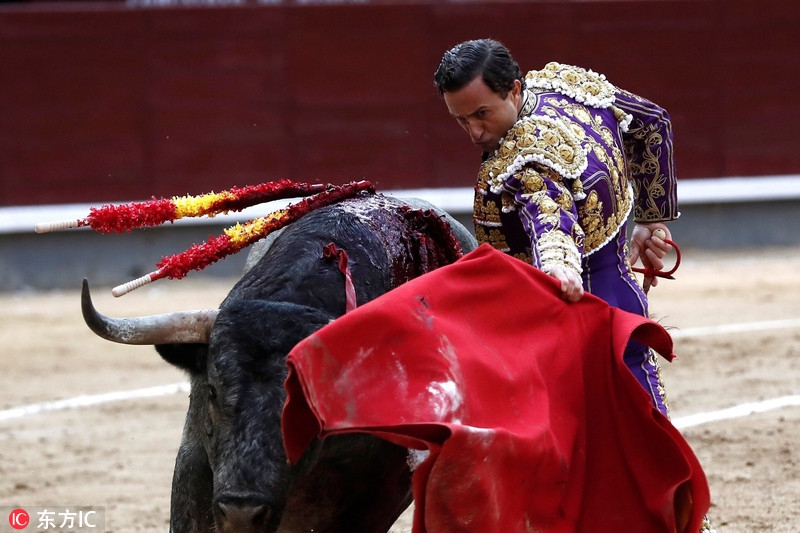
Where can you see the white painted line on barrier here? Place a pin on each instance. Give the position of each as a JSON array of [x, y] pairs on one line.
[[455, 200], [736, 411], [734, 328], [95, 399]]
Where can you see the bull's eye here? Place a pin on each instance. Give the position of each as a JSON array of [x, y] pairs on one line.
[[212, 393]]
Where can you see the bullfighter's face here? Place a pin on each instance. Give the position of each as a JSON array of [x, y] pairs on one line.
[[483, 113]]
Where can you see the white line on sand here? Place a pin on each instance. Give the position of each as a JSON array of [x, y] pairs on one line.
[[95, 399], [745, 327], [737, 411], [680, 422]]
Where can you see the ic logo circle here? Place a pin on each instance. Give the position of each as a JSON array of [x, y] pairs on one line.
[[19, 519]]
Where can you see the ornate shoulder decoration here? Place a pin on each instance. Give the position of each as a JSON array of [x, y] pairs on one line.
[[536, 139], [585, 86]]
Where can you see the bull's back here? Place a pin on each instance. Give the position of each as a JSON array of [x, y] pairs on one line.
[[387, 242], [293, 267]]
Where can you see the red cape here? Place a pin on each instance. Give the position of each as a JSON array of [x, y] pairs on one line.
[[533, 421]]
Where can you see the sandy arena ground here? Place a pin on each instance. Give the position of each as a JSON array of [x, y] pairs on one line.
[[120, 454]]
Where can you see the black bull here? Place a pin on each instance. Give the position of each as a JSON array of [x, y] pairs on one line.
[[231, 472]]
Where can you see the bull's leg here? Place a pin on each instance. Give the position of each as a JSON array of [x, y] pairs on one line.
[[192, 482], [191, 494], [385, 488], [349, 484]]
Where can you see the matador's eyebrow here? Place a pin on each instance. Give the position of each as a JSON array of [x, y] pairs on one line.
[[481, 109]]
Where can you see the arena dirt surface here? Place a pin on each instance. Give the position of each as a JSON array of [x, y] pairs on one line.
[[120, 454]]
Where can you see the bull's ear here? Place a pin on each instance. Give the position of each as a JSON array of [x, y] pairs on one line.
[[189, 357]]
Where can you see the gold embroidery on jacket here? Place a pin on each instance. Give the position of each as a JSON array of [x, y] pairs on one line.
[[646, 162], [492, 236], [558, 249], [591, 217], [585, 86], [590, 212], [527, 258], [535, 139], [486, 211]]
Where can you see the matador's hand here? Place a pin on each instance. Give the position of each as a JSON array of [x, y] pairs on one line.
[[571, 283], [650, 248]]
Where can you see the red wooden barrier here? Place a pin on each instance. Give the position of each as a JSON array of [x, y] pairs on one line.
[[107, 101]]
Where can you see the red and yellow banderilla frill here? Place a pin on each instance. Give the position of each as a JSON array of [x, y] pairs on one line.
[[125, 217]]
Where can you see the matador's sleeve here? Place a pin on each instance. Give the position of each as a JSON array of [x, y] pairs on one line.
[[649, 150], [549, 216]]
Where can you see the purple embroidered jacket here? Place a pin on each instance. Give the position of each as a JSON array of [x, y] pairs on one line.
[[582, 155]]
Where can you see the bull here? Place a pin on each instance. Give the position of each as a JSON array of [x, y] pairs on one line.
[[231, 471]]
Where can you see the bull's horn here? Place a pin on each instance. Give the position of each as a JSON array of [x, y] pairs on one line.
[[180, 327]]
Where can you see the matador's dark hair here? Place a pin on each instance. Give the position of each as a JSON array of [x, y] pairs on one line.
[[481, 57]]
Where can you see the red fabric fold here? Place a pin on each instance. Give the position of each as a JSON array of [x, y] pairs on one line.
[[531, 418]]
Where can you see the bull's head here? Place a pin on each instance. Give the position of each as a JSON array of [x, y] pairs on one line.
[[231, 472]]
